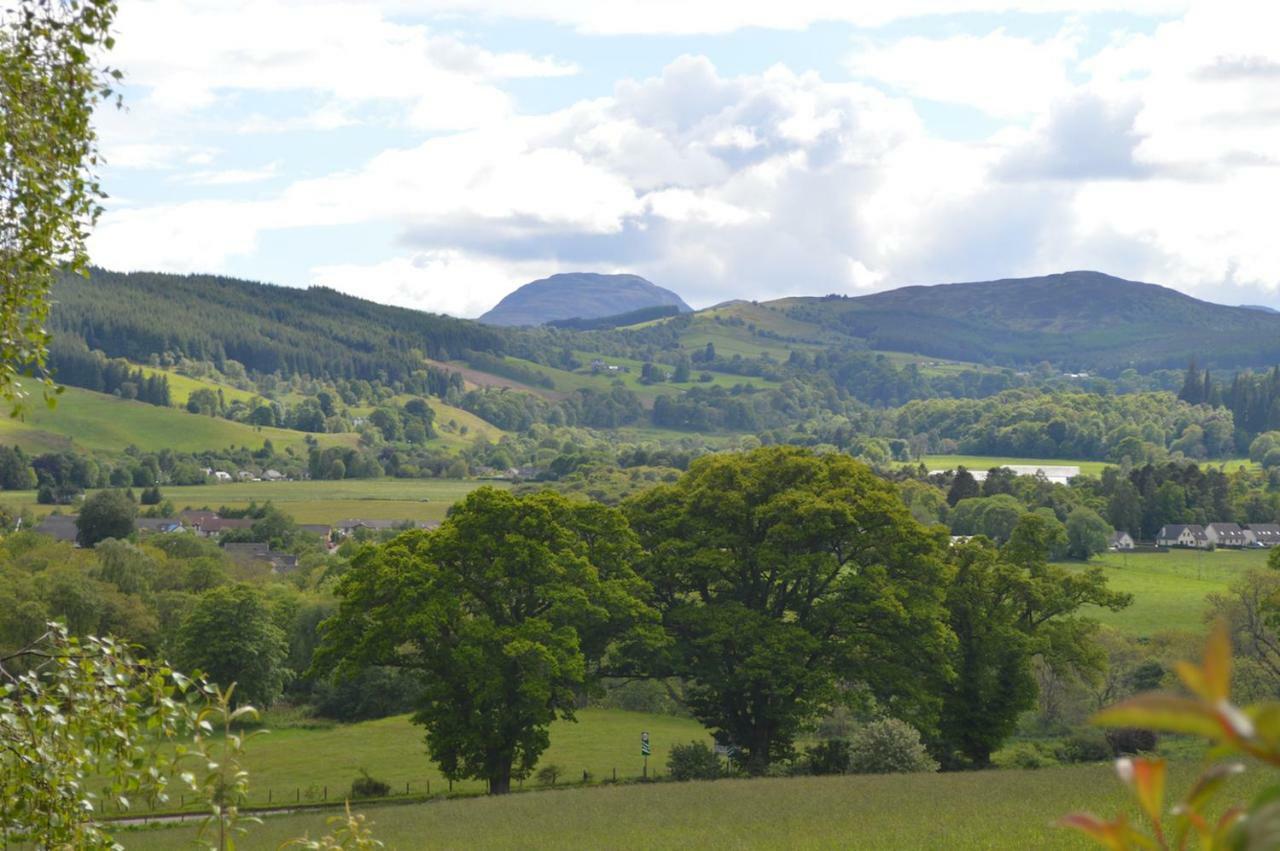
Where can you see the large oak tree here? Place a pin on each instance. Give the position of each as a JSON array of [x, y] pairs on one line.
[[781, 575], [508, 610]]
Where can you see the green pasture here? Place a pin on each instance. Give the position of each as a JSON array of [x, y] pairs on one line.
[[95, 421], [967, 810], [584, 378], [315, 501], [182, 386], [1169, 589]]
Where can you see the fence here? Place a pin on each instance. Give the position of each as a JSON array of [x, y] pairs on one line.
[[322, 795]]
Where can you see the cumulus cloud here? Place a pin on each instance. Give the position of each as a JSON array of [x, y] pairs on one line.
[[1150, 158]]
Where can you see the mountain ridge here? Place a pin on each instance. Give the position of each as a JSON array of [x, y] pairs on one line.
[[578, 295]]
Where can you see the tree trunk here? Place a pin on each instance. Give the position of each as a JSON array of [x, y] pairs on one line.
[[758, 753], [500, 781]]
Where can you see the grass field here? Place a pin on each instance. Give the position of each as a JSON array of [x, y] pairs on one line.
[[182, 386], [96, 421], [973, 810], [315, 501], [986, 462], [1169, 589]]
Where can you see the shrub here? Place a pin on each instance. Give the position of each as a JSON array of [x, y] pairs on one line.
[[548, 774], [1127, 741], [887, 747], [828, 757], [694, 761], [1086, 745], [365, 786], [1023, 755]]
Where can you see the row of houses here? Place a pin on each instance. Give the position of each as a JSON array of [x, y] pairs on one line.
[[245, 475], [1213, 535]]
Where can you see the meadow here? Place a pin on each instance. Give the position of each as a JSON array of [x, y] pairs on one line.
[[1169, 589], [967, 810], [98, 422], [315, 501]]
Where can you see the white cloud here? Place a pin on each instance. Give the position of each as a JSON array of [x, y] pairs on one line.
[[347, 51], [444, 281], [681, 17], [1151, 158], [230, 177], [1003, 75]]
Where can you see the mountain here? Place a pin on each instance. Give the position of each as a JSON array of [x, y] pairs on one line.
[[579, 295], [1076, 320], [1264, 308]]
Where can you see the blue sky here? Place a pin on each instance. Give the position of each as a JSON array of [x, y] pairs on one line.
[[438, 154]]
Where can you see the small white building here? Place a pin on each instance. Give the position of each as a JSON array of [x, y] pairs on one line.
[[222, 475], [1263, 534], [1120, 541]]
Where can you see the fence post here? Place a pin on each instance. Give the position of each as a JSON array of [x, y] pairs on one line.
[[585, 775], [428, 788], [298, 791], [268, 795], [615, 775], [326, 792], [450, 784], [406, 787]]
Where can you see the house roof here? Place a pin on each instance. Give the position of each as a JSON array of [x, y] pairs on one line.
[[197, 515], [1176, 530], [1226, 528], [1119, 535], [60, 527], [316, 529], [1265, 528], [157, 524], [218, 524]]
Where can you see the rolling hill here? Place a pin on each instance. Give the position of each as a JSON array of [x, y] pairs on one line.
[[579, 295], [1077, 320]]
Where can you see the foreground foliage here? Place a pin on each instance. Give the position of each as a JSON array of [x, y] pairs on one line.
[[1234, 732]]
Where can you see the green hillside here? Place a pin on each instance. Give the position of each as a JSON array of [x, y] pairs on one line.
[[94, 421], [1082, 320]]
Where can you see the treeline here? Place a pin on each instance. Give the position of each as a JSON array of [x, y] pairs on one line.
[[75, 365], [314, 332], [1252, 398]]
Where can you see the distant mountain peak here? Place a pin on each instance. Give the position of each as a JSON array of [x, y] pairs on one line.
[[579, 295]]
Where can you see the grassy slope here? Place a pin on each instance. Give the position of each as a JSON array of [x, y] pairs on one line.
[[182, 386], [1004, 809], [1169, 589], [95, 421]]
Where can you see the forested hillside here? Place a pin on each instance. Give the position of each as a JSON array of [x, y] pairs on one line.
[[1076, 320], [316, 332]]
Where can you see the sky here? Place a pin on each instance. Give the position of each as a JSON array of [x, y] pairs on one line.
[[439, 154]]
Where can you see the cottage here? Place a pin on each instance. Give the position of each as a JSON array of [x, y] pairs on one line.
[[158, 525], [1263, 534], [194, 517], [222, 475], [60, 527], [1191, 536], [273, 476], [320, 530], [1120, 541], [217, 525], [1226, 535]]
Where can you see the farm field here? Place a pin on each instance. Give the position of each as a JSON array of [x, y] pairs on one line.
[[96, 421], [986, 462], [316, 501], [1169, 589], [965, 810]]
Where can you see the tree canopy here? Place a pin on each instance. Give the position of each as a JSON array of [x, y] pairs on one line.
[[508, 609], [782, 573]]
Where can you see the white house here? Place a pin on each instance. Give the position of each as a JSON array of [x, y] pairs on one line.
[[1120, 541], [1226, 535], [1191, 536], [222, 475]]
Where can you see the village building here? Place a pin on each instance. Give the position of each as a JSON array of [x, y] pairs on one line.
[[60, 527], [1120, 541], [1263, 534], [158, 525], [1190, 536], [1226, 535], [217, 525]]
